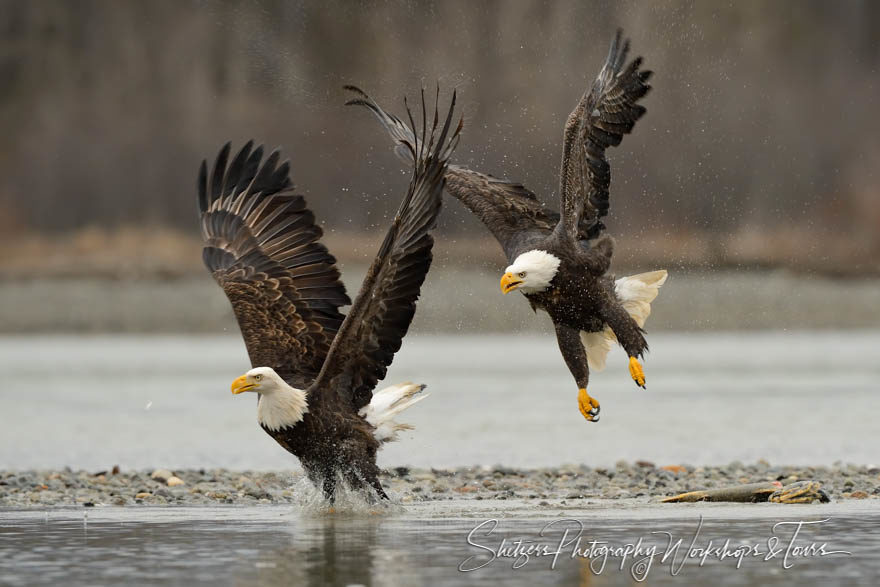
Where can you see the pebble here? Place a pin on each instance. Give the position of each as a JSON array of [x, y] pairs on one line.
[[639, 480], [162, 475], [253, 490], [675, 469]]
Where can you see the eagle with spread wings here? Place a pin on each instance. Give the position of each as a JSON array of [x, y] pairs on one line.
[[315, 369], [560, 261]]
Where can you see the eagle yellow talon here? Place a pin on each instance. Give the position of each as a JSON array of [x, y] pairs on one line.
[[588, 406], [636, 372]]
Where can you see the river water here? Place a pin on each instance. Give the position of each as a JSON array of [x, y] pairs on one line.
[[805, 398], [144, 402], [445, 543]]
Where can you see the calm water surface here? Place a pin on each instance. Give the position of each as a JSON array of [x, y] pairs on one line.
[[427, 544], [142, 402]]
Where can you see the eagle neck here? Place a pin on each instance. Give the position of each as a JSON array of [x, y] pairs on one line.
[[282, 408]]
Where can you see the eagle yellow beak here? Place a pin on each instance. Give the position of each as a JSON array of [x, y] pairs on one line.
[[241, 385], [509, 282]]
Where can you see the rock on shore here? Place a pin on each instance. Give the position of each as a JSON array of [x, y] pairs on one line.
[[548, 486]]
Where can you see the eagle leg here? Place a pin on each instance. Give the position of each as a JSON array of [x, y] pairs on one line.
[[636, 372], [329, 486], [379, 490], [630, 336], [572, 349], [365, 476], [372, 477], [589, 406]]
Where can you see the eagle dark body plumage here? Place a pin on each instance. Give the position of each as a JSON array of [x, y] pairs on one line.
[[332, 441], [262, 247], [582, 297]]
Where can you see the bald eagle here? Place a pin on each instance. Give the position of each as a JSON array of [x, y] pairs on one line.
[[560, 261], [315, 369]]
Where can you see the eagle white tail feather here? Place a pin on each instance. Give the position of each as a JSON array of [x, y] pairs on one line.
[[598, 345], [386, 404], [636, 293]]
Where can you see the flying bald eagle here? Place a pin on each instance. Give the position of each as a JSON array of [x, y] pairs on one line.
[[315, 369], [561, 261]]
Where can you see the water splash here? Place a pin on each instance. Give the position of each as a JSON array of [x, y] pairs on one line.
[[349, 502]]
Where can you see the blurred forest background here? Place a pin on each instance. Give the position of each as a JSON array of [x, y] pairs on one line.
[[760, 151]]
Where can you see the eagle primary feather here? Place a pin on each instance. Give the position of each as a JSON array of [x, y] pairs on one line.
[[315, 370], [262, 247], [580, 297], [602, 116]]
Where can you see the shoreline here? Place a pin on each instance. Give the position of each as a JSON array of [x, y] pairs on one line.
[[543, 487], [454, 299]]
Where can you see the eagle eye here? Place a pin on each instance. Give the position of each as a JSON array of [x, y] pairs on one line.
[[257, 377], [522, 274]]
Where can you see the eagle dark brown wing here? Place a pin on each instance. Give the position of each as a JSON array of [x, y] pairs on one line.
[[601, 118], [511, 212], [383, 309], [261, 246]]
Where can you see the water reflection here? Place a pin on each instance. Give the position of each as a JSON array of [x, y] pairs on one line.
[[312, 552], [274, 546]]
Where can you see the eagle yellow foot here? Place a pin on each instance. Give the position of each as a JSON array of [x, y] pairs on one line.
[[588, 406], [636, 372]]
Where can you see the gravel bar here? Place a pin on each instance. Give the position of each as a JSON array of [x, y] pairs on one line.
[[548, 486]]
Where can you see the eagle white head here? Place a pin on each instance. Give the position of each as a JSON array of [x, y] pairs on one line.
[[260, 380], [531, 272], [281, 405]]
